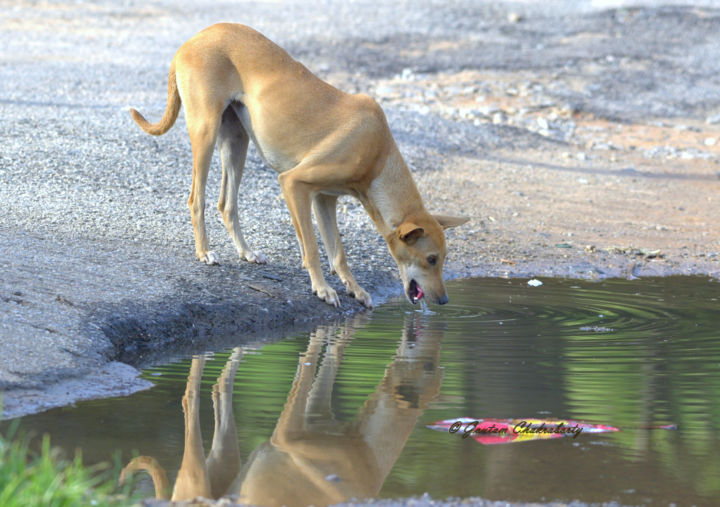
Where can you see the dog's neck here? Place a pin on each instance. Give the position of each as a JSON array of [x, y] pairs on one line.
[[393, 197]]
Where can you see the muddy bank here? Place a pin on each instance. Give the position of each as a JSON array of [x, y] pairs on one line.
[[581, 142], [68, 330]]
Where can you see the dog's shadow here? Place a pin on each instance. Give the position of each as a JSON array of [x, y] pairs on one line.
[[311, 458]]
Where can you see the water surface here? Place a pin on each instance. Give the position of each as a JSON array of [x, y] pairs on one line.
[[344, 410]]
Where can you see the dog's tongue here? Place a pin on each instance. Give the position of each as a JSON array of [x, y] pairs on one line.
[[420, 294]]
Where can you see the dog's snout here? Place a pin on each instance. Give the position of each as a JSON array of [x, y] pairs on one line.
[[442, 300]]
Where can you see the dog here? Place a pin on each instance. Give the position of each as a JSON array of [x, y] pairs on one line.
[[314, 455], [237, 85]]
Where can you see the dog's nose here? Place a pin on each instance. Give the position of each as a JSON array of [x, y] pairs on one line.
[[442, 300]]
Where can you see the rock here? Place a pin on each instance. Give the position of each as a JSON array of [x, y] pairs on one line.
[[650, 254], [514, 17], [385, 91]]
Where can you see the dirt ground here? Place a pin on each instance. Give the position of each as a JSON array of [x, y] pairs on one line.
[[602, 197], [582, 141]]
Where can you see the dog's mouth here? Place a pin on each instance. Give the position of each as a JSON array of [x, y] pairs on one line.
[[414, 292]]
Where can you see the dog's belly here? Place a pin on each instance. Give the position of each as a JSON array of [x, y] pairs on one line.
[[275, 159]]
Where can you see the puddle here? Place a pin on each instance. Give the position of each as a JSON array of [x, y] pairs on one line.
[[342, 412]]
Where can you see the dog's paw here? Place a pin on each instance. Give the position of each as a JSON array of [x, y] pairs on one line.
[[354, 290], [361, 295], [328, 294], [210, 258], [255, 257]]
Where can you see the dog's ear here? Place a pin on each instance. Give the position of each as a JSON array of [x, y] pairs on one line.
[[409, 232], [446, 221]]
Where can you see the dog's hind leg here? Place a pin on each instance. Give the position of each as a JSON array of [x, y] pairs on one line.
[[324, 206], [223, 461], [203, 122], [192, 478], [233, 143]]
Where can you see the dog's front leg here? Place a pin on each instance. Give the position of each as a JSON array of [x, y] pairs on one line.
[[324, 206], [298, 198]]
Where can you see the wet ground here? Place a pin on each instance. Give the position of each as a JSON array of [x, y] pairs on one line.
[[343, 411], [581, 141]]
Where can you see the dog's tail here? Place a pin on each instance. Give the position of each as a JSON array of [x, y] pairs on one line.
[[157, 472], [171, 110]]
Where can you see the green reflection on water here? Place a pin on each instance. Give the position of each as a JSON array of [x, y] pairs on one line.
[[627, 354]]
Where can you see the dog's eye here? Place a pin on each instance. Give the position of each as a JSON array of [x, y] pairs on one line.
[[432, 260]]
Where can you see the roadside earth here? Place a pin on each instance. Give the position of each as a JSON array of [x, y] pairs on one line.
[[581, 142]]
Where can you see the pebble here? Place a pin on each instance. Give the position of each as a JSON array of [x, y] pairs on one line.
[[710, 141], [384, 90], [488, 110]]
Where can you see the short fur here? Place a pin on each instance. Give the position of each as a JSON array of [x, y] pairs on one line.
[[309, 442], [237, 85]]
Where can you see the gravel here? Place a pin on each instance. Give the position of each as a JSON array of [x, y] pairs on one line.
[[97, 260]]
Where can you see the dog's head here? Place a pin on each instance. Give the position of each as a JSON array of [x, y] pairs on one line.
[[418, 246]]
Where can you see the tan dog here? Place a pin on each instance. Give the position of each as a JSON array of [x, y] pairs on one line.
[[312, 457], [237, 85]]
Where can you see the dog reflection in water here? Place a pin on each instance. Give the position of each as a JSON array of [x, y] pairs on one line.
[[311, 458]]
